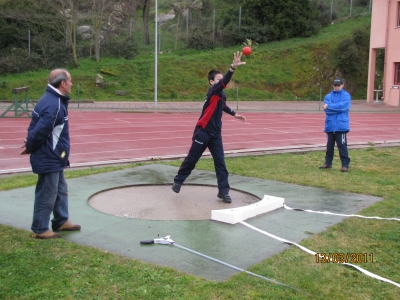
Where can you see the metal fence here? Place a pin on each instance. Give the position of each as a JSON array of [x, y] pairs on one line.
[[178, 23]]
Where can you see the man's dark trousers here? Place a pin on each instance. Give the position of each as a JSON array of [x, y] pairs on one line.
[[341, 141], [201, 140]]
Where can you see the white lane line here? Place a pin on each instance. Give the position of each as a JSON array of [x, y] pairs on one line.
[[119, 120], [276, 130]]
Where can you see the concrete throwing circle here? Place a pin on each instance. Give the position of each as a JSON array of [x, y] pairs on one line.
[[159, 202]]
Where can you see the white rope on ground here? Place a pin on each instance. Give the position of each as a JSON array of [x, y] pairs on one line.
[[236, 268], [335, 214], [314, 253], [168, 241]]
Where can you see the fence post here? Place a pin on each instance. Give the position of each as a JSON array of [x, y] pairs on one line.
[[79, 90], [213, 25], [237, 98], [187, 27], [130, 30], [29, 42], [159, 36], [351, 6], [240, 17], [320, 96]]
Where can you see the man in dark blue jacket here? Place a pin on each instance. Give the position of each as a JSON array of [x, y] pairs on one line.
[[207, 132], [337, 105], [48, 144]]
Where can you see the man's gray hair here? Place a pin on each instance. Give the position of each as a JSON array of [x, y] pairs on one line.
[[57, 76]]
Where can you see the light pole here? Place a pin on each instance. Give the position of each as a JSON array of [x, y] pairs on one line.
[[155, 58]]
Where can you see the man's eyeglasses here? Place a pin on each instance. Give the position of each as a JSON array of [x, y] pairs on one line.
[[336, 85]]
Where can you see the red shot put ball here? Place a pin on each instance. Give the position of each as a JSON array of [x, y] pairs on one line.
[[246, 50]]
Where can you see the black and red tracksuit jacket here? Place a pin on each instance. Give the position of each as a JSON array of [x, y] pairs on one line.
[[210, 119]]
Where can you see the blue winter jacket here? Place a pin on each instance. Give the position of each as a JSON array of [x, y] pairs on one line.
[[48, 135], [337, 113]]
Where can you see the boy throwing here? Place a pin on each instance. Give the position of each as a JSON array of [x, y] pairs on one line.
[[207, 132]]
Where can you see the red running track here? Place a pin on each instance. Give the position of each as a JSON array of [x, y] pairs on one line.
[[111, 137]]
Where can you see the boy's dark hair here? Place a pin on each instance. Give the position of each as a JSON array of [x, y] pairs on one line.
[[212, 73]]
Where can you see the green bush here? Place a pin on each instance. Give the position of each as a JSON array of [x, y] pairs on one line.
[[117, 47], [352, 53], [200, 40], [352, 61], [348, 56], [18, 61], [287, 18]]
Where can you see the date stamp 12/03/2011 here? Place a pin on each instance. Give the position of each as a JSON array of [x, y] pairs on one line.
[[352, 258]]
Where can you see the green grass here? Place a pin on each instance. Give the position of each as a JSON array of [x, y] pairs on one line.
[[34, 269], [275, 71]]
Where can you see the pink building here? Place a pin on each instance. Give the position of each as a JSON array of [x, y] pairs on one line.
[[385, 34]]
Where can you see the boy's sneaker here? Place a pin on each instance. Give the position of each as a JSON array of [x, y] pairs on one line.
[[326, 166], [225, 197], [176, 187]]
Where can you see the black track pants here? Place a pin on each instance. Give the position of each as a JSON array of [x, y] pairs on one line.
[[341, 141], [201, 140]]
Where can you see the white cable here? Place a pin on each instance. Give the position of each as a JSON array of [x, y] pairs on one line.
[[335, 214], [233, 267], [168, 241], [314, 253]]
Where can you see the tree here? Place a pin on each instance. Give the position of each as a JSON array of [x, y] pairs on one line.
[[63, 20], [97, 17], [57, 15], [352, 55], [131, 11], [323, 70]]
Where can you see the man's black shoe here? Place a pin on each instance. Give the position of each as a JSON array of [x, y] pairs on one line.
[[325, 166], [176, 187], [225, 197]]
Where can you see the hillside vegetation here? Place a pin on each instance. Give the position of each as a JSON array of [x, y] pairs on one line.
[[292, 69]]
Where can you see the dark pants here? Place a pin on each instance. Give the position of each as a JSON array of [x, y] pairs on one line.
[[201, 140], [341, 141], [51, 196]]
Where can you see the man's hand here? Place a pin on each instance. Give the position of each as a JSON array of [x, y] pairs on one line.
[[237, 56], [240, 117], [24, 151], [325, 106]]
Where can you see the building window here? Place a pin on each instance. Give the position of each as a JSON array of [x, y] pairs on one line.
[[398, 14], [397, 73]]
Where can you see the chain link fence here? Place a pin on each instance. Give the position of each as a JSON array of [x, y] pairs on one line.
[[198, 25], [191, 25]]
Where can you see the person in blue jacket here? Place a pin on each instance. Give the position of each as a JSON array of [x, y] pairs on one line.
[[337, 105], [48, 144], [207, 132]]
